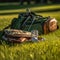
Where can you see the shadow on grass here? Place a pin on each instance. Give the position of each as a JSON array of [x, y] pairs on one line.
[[37, 11], [18, 6], [10, 7], [15, 7], [1, 33]]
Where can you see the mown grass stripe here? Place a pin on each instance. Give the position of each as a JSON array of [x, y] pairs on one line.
[[38, 8], [39, 11]]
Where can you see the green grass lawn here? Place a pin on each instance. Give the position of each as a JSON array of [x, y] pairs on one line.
[[43, 50], [15, 9]]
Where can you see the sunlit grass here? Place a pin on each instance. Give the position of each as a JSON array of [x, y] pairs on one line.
[[43, 50], [31, 51], [38, 8]]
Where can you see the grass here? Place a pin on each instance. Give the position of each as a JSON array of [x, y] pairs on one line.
[[38, 8], [43, 50]]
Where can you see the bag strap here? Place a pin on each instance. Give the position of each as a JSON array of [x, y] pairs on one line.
[[31, 23]]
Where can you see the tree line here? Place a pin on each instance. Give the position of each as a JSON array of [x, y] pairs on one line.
[[36, 1]]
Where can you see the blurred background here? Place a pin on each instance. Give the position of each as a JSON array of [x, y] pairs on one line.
[[32, 1]]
